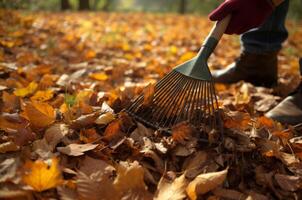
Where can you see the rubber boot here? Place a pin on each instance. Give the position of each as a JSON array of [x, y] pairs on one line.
[[258, 69], [289, 111]]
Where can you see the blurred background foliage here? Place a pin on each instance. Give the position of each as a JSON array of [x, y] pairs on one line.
[[163, 6]]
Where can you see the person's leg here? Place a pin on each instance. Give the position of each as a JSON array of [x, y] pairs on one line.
[[257, 63], [270, 36]]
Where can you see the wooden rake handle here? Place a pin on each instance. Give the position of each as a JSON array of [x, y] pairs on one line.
[[219, 28]]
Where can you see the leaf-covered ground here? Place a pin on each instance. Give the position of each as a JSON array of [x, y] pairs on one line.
[[64, 78]]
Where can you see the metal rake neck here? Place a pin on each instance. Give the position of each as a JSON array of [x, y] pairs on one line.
[[197, 67]]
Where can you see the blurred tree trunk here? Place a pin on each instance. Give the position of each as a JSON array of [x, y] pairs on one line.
[[95, 4], [106, 5], [84, 5], [65, 5], [182, 6]]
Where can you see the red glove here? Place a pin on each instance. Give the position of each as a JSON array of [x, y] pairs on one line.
[[246, 14]]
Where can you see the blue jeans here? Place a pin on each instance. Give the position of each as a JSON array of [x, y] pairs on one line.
[[270, 36]]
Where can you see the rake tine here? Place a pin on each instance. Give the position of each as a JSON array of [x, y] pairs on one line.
[[166, 103], [169, 109], [162, 95]]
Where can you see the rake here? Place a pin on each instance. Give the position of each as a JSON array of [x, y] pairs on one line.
[[187, 93]]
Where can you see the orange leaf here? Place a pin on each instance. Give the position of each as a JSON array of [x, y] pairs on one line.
[[113, 130], [40, 114], [181, 131], [42, 95], [148, 94], [90, 54], [238, 120], [42, 175], [264, 121]]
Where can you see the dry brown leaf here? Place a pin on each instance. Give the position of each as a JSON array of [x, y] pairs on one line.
[[10, 102], [229, 194], [42, 148], [8, 169], [182, 131], [66, 193], [174, 190], [204, 183], [288, 183], [193, 164], [97, 186], [84, 121], [76, 149], [8, 147], [91, 165], [54, 134], [105, 118], [42, 175], [130, 181]]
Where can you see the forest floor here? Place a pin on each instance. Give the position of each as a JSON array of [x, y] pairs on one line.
[[65, 77]]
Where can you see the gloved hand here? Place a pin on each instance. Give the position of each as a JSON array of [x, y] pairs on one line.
[[246, 14]]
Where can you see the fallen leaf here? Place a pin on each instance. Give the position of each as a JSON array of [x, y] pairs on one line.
[[54, 134], [229, 194], [237, 120], [113, 130], [8, 147], [174, 190], [10, 102], [42, 95], [182, 131], [288, 183], [40, 114], [204, 183], [91, 165], [42, 175], [22, 92], [8, 169], [66, 193], [193, 164], [97, 186], [76, 149], [105, 118], [99, 76], [130, 181], [266, 122]]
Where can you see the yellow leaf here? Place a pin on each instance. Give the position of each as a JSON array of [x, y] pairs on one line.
[[39, 114], [99, 76], [42, 175], [42, 95], [22, 92]]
